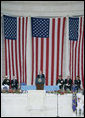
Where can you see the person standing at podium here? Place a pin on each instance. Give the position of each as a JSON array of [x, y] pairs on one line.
[[40, 81]]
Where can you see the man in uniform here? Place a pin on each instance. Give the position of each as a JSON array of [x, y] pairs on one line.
[[68, 84], [5, 84], [77, 82], [6, 81], [40, 80], [14, 83], [80, 104], [60, 82]]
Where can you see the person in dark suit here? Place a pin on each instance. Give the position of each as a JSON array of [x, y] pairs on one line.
[[40, 81], [65, 84], [14, 83], [68, 83], [60, 82], [5, 84], [77, 82], [6, 81]]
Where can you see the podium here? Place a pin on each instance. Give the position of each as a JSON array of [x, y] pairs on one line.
[[36, 99], [40, 86], [40, 80]]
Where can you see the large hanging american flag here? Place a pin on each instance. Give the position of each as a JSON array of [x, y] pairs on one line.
[[47, 48], [15, 34], [76, 43]]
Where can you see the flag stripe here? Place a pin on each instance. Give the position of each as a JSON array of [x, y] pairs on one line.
[[72, 58], [58, 38], [25, 51], [42, 40], [16, 59], [44, 57], [47, 59], [62, 50], [60, 45], [52, 60], [55, 55], [79, 47], [23, 47], [39, 54], [82, 57], [12, 57], [20, 48], [5, 58], [50, 52], [9, 61], [75, 59], [32, 60], [82, 62], [36, 56]]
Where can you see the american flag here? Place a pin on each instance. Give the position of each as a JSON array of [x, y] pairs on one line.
[[15, 34], [47, 48], [76, 43]]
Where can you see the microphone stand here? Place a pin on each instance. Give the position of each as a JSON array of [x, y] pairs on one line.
[[57, 105]]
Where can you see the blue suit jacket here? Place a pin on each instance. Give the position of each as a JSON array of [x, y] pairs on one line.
[[40, 79]]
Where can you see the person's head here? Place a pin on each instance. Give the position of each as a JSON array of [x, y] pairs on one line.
[[77, 77], [14, 77], [78, 99], [59, 77], [79, 96], [40, 72], [6, 77], [68, 77]]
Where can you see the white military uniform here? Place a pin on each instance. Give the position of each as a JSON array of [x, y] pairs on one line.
[[80, 104]]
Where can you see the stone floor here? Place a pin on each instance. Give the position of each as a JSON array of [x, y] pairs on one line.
[[16, 105]]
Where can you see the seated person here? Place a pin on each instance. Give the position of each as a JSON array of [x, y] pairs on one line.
[[68, 84], [14, 83], [60, 82], [5, 83], [77, 82], [40, 81]]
